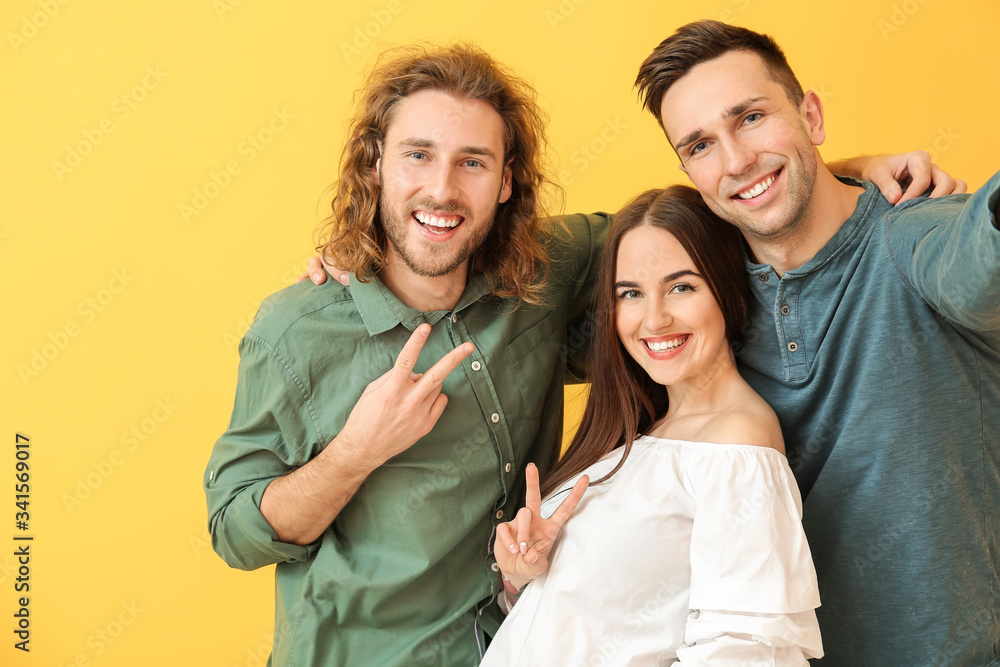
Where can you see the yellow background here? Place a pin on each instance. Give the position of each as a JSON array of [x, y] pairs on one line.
[[121, 313]]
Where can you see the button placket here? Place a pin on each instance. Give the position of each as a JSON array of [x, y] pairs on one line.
[[479, 376], [789, 331]]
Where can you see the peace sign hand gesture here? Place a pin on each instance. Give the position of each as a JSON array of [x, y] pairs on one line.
[[523, 546]]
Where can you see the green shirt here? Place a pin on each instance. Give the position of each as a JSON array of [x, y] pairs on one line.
[[405, 570]]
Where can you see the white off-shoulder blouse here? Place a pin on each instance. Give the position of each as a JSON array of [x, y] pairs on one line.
[[691, 554]]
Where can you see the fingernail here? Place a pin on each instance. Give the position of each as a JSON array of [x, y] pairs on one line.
[[534, 560], [513, 549], [524, 547]]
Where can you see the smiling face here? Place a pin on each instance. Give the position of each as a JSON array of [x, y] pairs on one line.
[[442, 175], [747, 148], [666, 316]]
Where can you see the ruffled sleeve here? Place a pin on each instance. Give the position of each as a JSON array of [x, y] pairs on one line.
[[753, 585]]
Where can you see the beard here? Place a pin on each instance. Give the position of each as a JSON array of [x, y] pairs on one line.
[[429, 259], [800, 179]]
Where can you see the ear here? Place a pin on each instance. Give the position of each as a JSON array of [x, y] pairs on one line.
[[377, 169], [508, 183], [811, 111]]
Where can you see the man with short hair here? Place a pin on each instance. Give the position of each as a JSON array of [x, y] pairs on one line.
[[875, 336]]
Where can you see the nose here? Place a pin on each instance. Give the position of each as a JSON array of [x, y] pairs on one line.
[[443, 184], [657, 315], [737, 157]]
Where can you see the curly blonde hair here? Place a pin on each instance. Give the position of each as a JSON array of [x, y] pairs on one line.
[[512, 257]]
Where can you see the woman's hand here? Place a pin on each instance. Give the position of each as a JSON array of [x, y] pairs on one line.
[[524, 544]]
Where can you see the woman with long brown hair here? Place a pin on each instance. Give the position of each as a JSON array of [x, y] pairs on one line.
[[687, 548]]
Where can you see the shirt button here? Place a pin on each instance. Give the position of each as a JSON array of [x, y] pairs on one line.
[[454, 317], [793, 346], [763, 277], [494, 418], [499, 514], [495, 567], [506, 468], [785, 310], [476, 365]]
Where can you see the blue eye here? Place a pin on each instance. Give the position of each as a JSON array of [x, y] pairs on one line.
[[698, 147], [417, 155], [473, 163], [753, 117]]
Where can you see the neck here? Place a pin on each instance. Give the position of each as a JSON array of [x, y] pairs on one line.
[[706, 393], [832, 202], [424, 293]]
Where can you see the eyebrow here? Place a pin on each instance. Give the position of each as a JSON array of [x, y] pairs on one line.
[[665, 279], [468, 150], [731, 112]]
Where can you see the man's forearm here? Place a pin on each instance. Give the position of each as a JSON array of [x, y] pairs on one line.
[[302, 504], [852, 167]]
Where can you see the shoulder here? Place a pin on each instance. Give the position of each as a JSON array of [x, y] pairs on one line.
[[282, 311], [752, 423], [574, 233]]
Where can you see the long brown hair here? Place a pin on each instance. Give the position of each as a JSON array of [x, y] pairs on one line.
[[624, 401], [699, 42], [512, 256]]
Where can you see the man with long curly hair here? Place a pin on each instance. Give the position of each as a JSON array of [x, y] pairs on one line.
[[377, 499]]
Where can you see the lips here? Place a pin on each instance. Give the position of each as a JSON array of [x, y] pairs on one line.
[[757, 189], [664, 347], [437, 223]]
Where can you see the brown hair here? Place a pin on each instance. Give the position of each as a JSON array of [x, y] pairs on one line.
[[624, 401], [512, 257], [699, 42]]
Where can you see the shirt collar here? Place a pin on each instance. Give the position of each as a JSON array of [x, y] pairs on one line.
[[382, 310]]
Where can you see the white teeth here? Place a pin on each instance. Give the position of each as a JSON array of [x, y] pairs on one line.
[[434, 221], [663, 346], [757, 189]]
